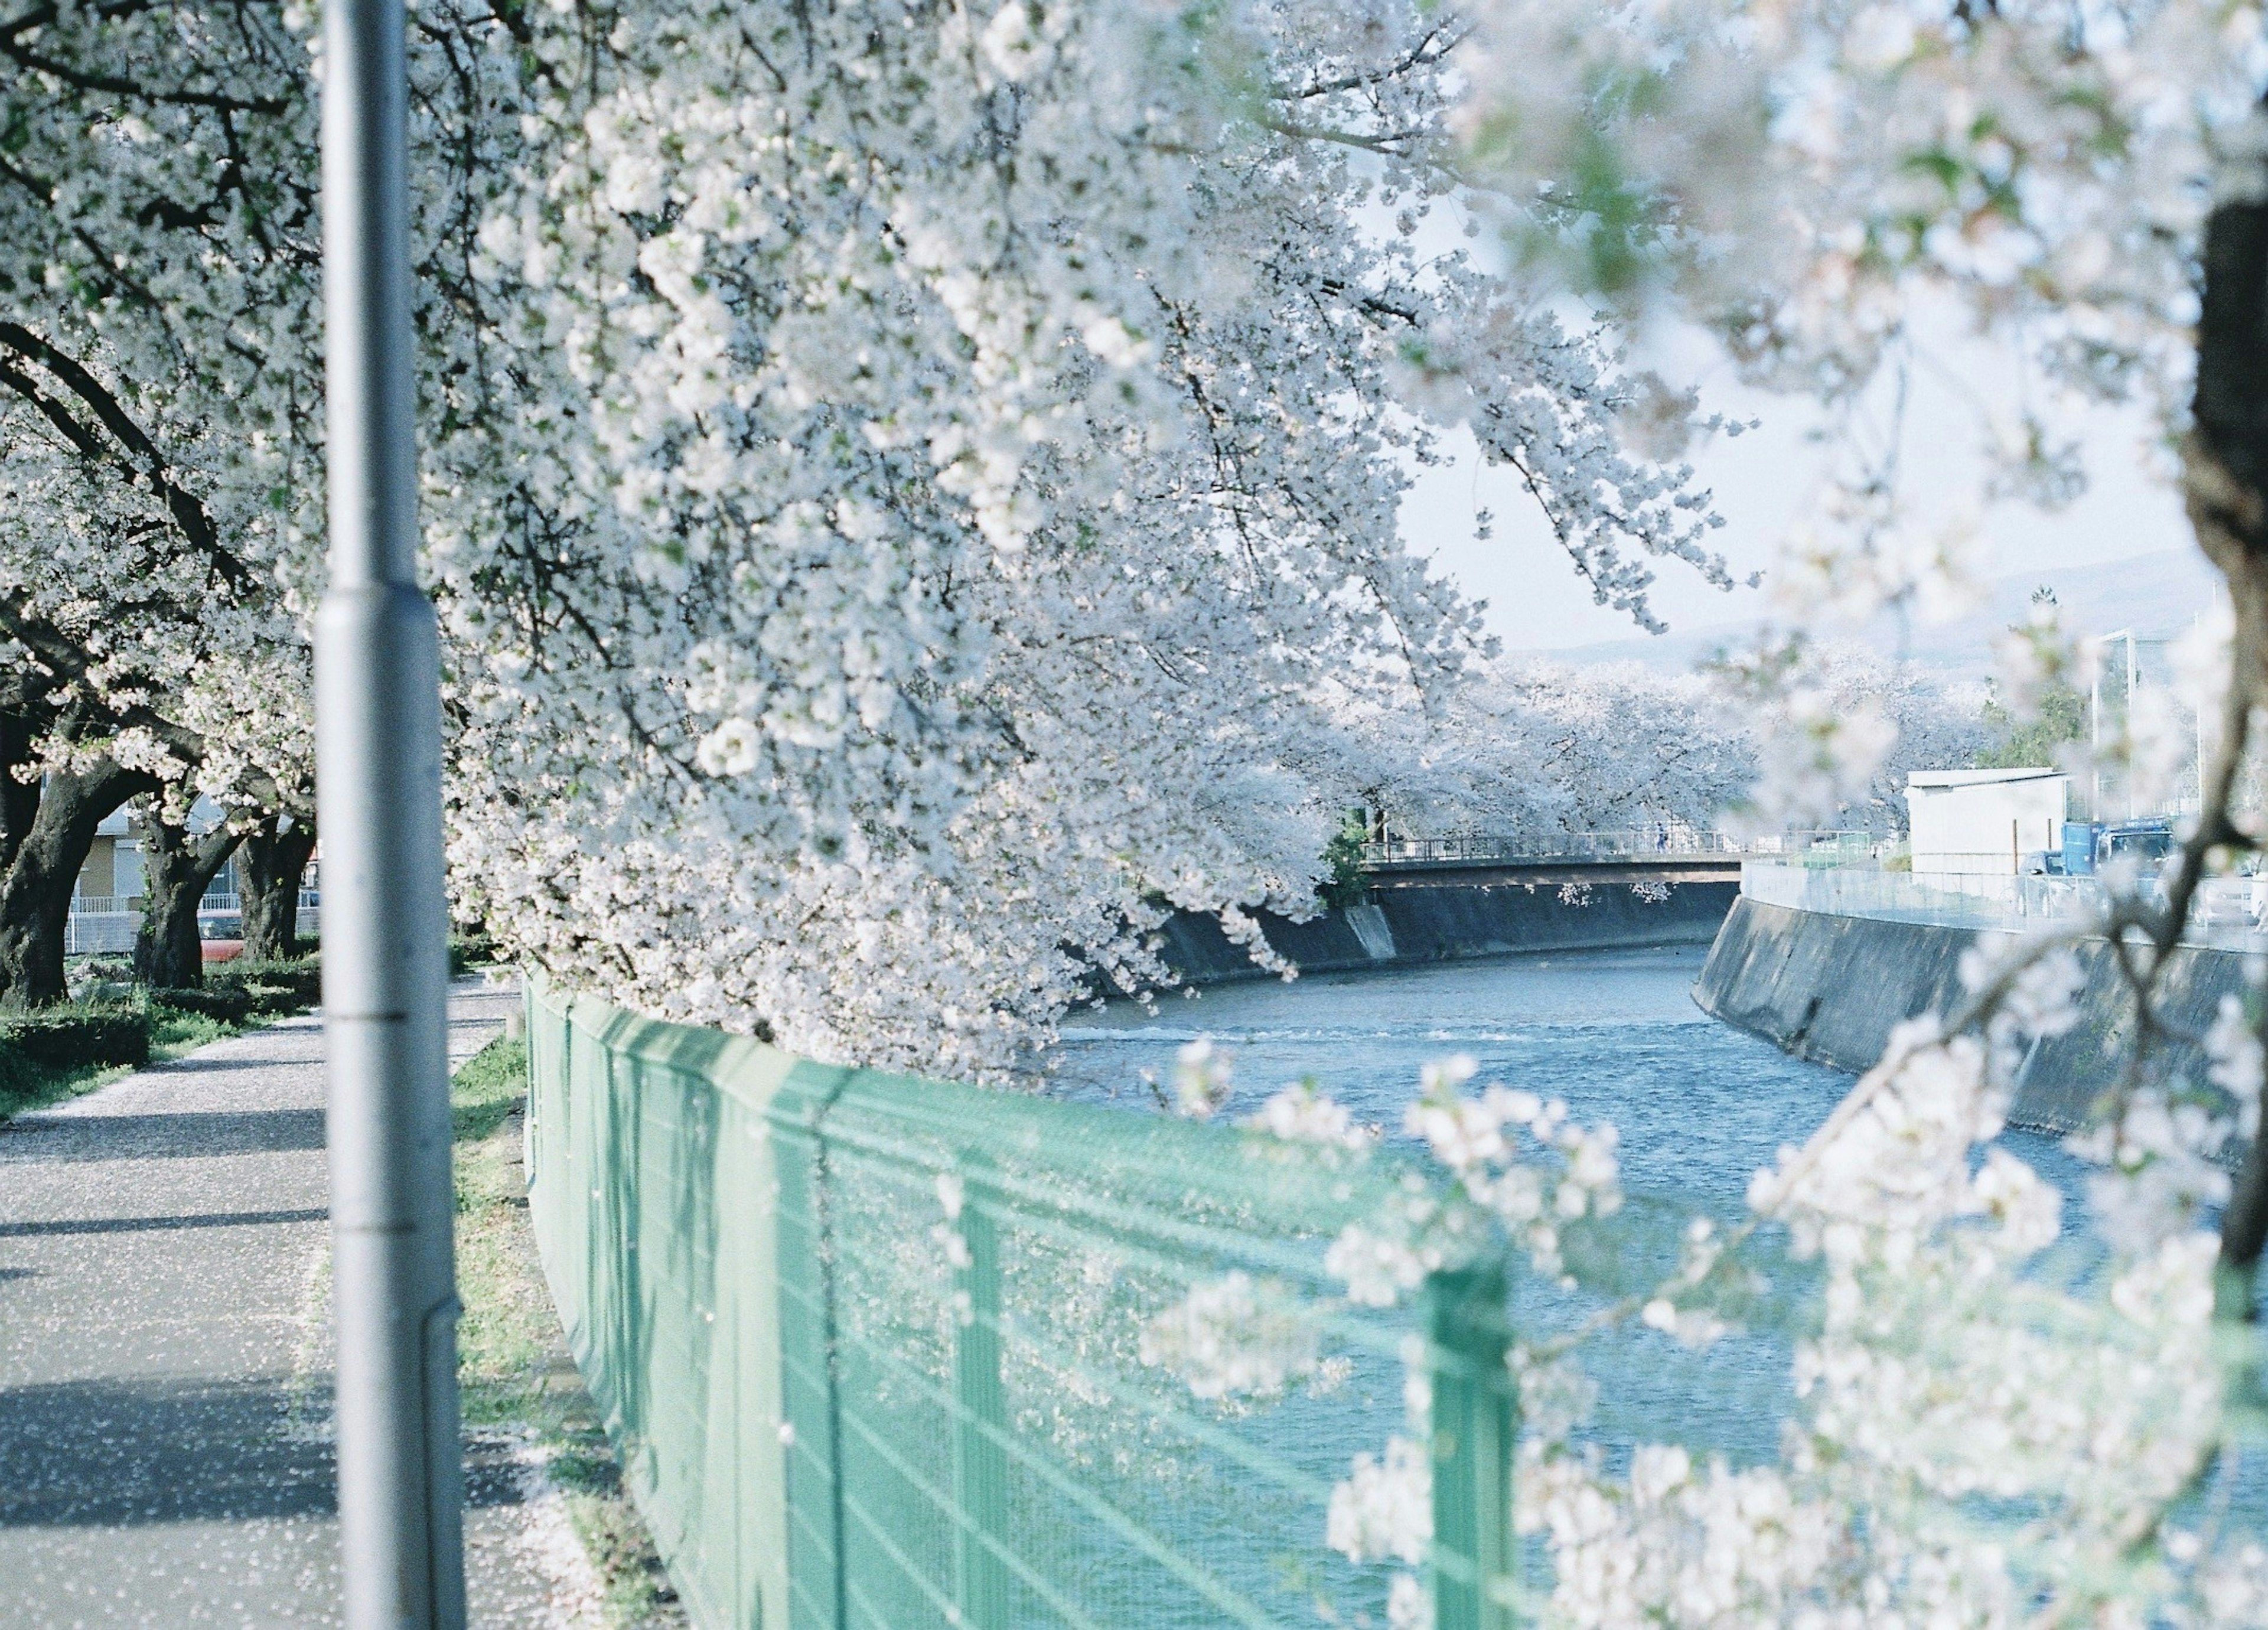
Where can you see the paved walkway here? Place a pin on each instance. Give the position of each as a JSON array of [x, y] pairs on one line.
[[164, 1355]]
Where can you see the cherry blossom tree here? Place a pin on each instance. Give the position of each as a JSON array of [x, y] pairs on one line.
[[1528, 745], [177, 865], [271, 869], [2083, 185], [156, 396], [1525, 745], [1837, 728], [886, 514], [913, 470]]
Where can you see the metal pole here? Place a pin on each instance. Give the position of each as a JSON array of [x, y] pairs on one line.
[[2095, 740], [2102, 644], [378, 762], [2130, 724], [2198, 721]]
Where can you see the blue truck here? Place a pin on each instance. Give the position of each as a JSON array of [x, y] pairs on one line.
[[2088, 844]]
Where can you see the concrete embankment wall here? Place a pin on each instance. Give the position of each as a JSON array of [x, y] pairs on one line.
[[1830, 988], [1428, 920]]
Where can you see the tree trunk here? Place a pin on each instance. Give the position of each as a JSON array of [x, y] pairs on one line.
[[270, 868], [36, 889], [2225, 487], [176, 867], [20, 800]]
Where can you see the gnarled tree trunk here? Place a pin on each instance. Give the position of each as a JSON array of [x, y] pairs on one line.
[[176, 867], [2225, 479], [46, 851], [270, 869]]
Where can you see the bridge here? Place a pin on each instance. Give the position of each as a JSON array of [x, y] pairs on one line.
[[1652, 855], [1434, 899]]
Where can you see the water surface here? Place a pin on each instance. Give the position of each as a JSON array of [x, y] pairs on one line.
[[1700, 1107], [1699, 1104], [1615, 1033]]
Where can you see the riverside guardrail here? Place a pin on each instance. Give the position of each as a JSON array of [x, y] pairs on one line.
[[874, 1346], [2229, 912]]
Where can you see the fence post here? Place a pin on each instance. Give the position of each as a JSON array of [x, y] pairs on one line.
[[1475, 1426], [980, 1464], [810, 1395]]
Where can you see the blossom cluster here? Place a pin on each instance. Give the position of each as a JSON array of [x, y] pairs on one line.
[[1521, 1171], [1234, 1337], [1300, 1113]]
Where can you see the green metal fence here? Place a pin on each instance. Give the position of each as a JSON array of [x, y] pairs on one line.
[[873, 1347]]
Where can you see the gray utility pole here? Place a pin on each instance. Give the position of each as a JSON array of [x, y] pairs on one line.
[[385, 970], [2102, 643]]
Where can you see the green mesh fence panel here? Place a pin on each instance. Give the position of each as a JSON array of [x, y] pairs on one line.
[[871, 1347]]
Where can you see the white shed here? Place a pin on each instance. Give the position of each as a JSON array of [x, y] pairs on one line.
[[1983, 822]]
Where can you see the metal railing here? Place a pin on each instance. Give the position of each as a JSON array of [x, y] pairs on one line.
[[229, 903], [1635, 844], [207, 904], [105, 925], [89, 934], [2229, 914], [877, 1349]]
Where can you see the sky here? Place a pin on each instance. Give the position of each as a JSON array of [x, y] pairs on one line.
[[1764, 479]]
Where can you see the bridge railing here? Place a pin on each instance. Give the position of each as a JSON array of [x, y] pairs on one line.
[[902, 1354], [1634, 843]]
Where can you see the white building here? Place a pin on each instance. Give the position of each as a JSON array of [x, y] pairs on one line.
[[1982, 823], [114, 867]]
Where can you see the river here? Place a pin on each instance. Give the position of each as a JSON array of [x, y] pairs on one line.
[[1699, 1106]]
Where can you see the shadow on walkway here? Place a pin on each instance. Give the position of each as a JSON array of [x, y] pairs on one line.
[[117, 1453], [138, 1224], [111, 1454], [180, 1135]]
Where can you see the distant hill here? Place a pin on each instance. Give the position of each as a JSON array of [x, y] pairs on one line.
[[2153, 594]]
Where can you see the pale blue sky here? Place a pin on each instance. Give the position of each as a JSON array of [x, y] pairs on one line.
[[1764, 478]]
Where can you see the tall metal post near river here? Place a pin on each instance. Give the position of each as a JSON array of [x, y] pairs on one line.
[[377, 765]]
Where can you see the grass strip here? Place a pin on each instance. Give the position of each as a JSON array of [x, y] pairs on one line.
[[513, 1366]]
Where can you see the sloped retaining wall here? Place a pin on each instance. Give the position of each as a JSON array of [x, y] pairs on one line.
[[1830, 988], [1428, 921]]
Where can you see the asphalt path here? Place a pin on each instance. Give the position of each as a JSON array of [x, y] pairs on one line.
[[165, 1365]]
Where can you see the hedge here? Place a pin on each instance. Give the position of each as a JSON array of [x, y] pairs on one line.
[[68, 1038], [231, 1006], [266, 987]]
